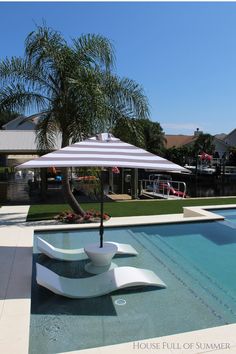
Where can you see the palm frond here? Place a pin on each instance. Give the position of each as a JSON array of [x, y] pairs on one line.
[[46, 133], [127, 97], [44, 45], [96, 49], [18, 98], [19, 70]]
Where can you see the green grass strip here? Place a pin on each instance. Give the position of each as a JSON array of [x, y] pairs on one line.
[[130, 208]]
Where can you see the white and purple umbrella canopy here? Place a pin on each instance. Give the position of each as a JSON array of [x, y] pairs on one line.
[[103, 150]]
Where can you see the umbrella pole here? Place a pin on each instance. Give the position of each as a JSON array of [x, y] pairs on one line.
[[101, 229]]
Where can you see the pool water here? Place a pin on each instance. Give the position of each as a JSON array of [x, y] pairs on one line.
[[196, 261], [229, 214]]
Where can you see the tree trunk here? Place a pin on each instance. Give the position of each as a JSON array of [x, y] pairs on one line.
[[43, 186], [68, 193]]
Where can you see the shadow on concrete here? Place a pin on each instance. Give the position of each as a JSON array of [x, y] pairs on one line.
[[12, 219], [16, 272]]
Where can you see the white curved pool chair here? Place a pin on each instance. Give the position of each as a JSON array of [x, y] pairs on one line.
[[101, 284], [74, 254]]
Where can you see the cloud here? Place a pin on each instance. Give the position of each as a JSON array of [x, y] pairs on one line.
[[180, 128]]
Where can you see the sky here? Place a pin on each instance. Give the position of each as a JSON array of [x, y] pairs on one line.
[[182, 54]]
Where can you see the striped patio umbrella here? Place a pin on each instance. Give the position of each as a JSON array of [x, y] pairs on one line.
[[103, 150]]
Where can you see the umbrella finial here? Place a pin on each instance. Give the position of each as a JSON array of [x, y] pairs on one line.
[[104, 136]]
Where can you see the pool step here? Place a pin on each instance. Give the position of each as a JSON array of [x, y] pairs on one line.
[[200, 284]]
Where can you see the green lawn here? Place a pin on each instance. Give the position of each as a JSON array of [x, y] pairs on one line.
[[132, 208], [4, 169]]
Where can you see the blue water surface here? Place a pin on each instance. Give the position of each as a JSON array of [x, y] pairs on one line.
[[228, 213]]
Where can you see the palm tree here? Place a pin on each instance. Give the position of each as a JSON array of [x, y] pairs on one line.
[[154, 137], [204, 143], [72, 86]]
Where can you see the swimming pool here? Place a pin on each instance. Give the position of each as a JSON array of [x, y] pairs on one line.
[[196, 261]]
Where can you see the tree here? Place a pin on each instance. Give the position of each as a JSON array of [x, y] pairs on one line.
[[154, 137], [204, 143], [129, 131], [232, 155], [143, 133], [187, 154], [72, 86], [178, 155]]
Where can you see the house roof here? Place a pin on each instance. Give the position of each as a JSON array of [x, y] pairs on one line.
[[229, 135], [178, 140], [24, 123], [221, 136], [14, 121], [19, 142], [220, 141]]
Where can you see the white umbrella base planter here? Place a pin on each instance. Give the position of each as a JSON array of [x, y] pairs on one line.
[[100, 257], [92, 269]]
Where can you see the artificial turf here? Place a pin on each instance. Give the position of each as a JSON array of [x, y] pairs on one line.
[[128, 208]]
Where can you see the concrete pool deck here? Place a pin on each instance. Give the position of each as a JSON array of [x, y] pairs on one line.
[[16, 245]]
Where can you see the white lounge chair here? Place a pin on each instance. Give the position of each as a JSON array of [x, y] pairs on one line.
[[73, 254], [101, 284]]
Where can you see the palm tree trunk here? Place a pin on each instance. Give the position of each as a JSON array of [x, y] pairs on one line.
[[68, 195]]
